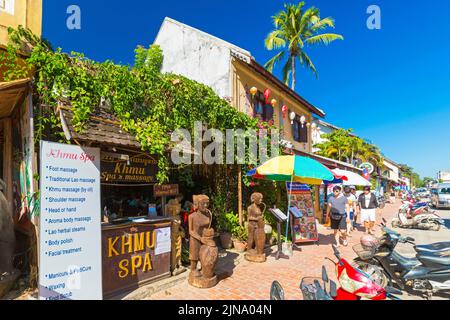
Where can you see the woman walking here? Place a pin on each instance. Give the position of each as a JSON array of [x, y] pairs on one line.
[[338, 210], [368, 205]]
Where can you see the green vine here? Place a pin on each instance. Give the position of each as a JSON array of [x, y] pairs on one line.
[[149, 105]]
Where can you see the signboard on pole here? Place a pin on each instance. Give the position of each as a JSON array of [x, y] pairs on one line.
[[303, 221], [70, 231]]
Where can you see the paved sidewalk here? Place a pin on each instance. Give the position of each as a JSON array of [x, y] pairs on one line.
[[249, 281]]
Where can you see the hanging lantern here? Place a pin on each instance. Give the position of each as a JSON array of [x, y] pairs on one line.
[[314, 126], [292, 117], [253, 91], [273, 102], [284, 110], [302, 119], [308, 124], [267, 95]]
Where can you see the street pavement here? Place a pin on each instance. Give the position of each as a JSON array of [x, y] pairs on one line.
[[250, 281]]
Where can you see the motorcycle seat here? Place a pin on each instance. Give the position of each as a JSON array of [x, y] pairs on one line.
[[434, 259], [435, 247]]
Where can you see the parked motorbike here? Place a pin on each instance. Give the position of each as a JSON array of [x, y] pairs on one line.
[[356, 284], [417, 218], [428, 272]]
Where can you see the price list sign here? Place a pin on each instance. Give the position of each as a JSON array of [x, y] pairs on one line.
[[70, 230]]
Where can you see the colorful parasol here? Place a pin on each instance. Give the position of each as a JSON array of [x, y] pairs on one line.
[[293, 168]]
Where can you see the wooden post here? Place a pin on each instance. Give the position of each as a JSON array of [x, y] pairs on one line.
[[8, 161], [240, 195], [317, 211]]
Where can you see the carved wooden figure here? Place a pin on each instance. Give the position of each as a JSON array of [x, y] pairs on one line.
[[256, 233], [202, 246], [173, 209]]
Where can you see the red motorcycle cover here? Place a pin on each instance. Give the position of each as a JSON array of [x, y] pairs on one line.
[[355, 283]]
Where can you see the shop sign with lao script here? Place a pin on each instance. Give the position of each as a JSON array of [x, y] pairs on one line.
[[134, 168]]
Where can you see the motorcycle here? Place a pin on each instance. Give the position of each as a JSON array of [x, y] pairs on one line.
[[428, 272], [417, 219], [355, 285]]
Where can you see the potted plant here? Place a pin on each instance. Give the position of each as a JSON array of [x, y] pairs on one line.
[[224, 226], [240, 237]]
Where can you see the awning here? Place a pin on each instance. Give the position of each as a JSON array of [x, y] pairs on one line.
[[330, 163], [353, 179], [12, 94]]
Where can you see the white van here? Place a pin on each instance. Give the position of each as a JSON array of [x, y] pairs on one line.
[[440, 196]]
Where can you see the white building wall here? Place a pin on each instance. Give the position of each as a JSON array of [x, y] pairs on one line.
[[444, 176], [197, 55], [394, 173]]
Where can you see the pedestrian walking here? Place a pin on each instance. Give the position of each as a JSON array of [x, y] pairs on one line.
[[355, 213], [338, 210], [368, 205], [352, 204]]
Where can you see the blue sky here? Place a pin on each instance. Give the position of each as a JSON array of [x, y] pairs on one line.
[[391, 86]]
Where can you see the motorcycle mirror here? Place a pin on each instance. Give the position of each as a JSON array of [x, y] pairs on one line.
[[336, 252], [333, 289], [276, 291], [324, 275], [392, 290], [410, 239]]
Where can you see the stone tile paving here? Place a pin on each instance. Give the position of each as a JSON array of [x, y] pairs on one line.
[[250, 281]]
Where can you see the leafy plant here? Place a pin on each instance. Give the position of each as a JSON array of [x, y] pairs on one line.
[[297, 28], [149, 105], [240, 233]]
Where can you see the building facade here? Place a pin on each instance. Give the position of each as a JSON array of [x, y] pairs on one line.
[[27, 13], [232, 72]]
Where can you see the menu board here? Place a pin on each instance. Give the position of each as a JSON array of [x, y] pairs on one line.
[[303, 220], [70, 236]]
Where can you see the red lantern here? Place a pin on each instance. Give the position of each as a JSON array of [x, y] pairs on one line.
[[284, 110], [267, 95]]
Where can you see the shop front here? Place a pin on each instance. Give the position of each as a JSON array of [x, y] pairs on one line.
[[135, 233]]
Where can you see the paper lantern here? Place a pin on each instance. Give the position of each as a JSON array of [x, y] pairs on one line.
[[302, 119], [267, 95], [273, 102], [292, 117], [253, 91], [284, 110], [308, 124], [314, 126]]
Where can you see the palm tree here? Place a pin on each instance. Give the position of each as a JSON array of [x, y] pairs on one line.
[[295, 28]]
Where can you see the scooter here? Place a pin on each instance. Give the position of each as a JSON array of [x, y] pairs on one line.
[[428, 272], [418, 219], [355, 285]]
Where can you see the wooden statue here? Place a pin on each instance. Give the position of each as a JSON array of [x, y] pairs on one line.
[[256, 234], [202, 246], [173, 209]]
